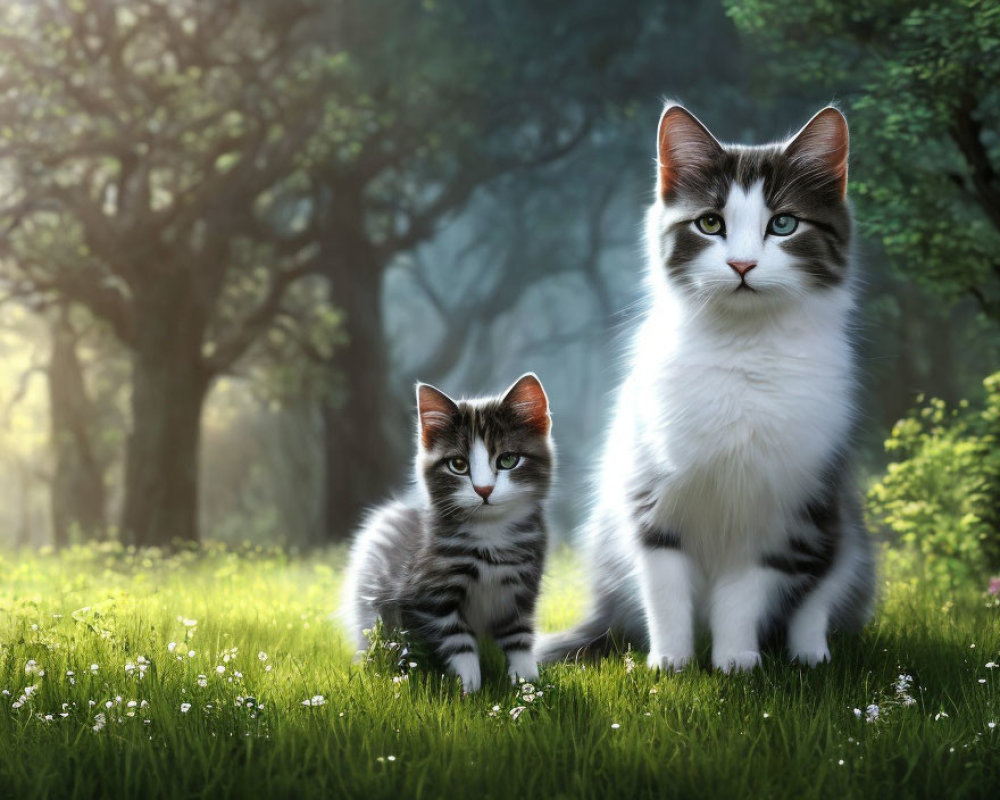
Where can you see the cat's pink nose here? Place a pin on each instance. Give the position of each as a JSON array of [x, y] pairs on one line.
[[742, 267], [483, 491]]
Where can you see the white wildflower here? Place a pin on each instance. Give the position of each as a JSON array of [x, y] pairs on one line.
[[516, 712], [185, 707], [315, 700], [871, 713]]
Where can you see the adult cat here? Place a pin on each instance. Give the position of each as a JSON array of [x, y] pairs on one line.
[[724, 495]]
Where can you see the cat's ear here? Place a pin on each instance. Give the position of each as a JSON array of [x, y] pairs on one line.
[[436, 411], [682, 144], [527, 399], [824, 140]]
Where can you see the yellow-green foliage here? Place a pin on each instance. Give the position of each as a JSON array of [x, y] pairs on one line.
[[942, 494]]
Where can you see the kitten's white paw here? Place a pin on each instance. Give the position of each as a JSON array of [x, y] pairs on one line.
[[740, 661], [521, 664], [466, 667], [667, 662], [811, 656]]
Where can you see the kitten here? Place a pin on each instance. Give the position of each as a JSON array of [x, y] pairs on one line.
[[725, 496], [463, 556]]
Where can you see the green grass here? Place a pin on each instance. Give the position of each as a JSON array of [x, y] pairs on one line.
[[611, 729]]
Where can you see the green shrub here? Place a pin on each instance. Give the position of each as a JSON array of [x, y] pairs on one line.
[[941, 498]]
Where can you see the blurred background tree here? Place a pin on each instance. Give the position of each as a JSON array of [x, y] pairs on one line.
[[147, 147], [236, 233]]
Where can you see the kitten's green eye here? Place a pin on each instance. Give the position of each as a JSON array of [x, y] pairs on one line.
[[782, 225], [508, 460], [458, 465], [710, 224]]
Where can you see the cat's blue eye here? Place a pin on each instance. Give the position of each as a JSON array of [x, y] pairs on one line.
[[458, 465], [711, 224], [782, 225], [508, 461]]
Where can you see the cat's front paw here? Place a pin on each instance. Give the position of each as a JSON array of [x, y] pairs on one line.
[[812, 656], [521, 665], [466, 667], [740, 661], [668, 662]]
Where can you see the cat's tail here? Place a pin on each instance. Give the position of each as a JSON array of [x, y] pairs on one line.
[[592, 637], [599, 633]]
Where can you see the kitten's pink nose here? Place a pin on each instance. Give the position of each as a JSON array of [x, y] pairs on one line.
[[483, 491], [742, 267]]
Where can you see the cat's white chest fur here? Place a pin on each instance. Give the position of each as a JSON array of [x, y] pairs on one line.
[[745, 418]]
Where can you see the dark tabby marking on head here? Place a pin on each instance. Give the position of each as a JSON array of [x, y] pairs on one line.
[[464, 560]]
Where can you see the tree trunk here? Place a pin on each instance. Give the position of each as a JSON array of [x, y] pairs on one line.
[[169, 384], [360, 460], [77, 494]]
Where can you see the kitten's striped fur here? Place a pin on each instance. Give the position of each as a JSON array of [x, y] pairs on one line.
[[462, 556], [725, 496]]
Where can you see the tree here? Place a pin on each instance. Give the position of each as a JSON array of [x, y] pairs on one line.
[[451, 95], [925, 100], [78, 496], [148, 147]]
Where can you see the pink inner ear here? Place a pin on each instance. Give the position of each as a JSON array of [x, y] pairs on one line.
[[528, 400], [436, 410], [682, 143], [825, 139]]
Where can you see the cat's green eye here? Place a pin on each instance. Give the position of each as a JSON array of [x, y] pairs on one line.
[[508, 460], [710, 224], [458, 465], [782, 225]]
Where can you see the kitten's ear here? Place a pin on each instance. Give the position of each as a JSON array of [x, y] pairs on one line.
[[527, 399], [824, 140], [436, 411], [683, 144]]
